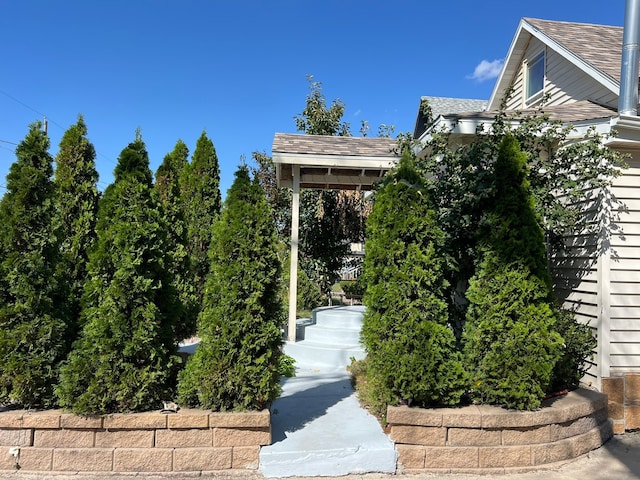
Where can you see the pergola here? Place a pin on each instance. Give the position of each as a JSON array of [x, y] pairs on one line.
[[326, 163]]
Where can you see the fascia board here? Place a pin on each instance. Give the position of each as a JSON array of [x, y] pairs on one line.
[[343, 161]]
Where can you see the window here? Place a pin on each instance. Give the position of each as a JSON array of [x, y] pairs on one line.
[[535, 78]]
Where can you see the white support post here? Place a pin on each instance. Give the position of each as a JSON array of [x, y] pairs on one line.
[[293, 273]]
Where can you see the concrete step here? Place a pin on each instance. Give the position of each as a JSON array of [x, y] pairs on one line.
[[311, 354], [333, 336], [339, 317]]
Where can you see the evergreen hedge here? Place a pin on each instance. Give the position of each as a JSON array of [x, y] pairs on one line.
[[34, 325], [237, 364], [411, 351], [125, 357], [511, 345]]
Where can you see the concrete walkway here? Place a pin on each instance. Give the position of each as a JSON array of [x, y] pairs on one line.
[[318, 426]]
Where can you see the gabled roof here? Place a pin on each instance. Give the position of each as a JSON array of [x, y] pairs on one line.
[[596, 49], [445, 106], [328, 162]]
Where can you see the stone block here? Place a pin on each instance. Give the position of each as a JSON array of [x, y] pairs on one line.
[[189, 418], [125, 439], [500, 418], [184, 438], [632, 388], [577, 427], [11, 419], [83, 459], [526, 436], [200, 459], [414, 435], [7, 461], [425, 417], [616, 411], [494, 457], [36, 459], [591, 440], [142, 459], [552, 452], [261, 419], [411, 456], [632, 417], [613, 387], [69, 420], [135, 421], [451, 457], [465, 417], [46, 419], [473, 437], [241, 437], [16, 437], [245, 458], [64, 438], [618, 427]]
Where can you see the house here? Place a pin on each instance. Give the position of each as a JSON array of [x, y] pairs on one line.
[[576, 70]]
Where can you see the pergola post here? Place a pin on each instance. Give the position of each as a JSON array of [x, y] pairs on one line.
[[293, 272]]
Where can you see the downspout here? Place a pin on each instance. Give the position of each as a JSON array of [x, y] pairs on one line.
[[628, 98]]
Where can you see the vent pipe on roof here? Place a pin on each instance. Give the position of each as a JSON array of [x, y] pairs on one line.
[[628, 99]]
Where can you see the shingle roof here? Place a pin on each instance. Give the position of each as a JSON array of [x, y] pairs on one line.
[[598, 45], [328, 145], [568, 113], [446, 106]]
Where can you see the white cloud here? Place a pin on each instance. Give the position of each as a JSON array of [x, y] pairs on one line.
[[487, 70], [357, 113]]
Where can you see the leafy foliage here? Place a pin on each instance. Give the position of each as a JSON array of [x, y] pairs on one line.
[[77, 198], [169, 190], [125, 357], [563, 175], [511, 345], [411, 352], [34, 327], [202, 202], [237, 365]]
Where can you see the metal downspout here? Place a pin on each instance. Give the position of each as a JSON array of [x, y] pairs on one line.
[[628, 99]]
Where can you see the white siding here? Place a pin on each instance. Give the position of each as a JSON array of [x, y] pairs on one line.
[[577, 283], [564, 82], [625, 271]]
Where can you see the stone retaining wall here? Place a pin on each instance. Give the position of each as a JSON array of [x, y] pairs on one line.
[[624, 401], [487, 439], [187, 441]]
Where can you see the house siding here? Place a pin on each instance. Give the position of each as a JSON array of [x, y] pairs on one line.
[[625, 271], [564, 82]]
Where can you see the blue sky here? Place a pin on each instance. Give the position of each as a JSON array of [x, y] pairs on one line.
[[237, 68]]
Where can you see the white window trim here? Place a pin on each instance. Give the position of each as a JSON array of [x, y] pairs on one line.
[[536, 97]]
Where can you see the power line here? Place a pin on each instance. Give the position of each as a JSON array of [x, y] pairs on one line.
[[31, 108], [7, 141]]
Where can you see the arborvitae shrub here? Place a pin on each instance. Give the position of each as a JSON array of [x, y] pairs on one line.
[[77, 209], [511, 345], [411, 351], [237, 364], [125, 357], [33, 319], [169, 189]]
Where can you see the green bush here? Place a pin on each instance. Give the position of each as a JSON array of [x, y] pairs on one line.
[[411, 351], [352, 288], [579, 345], [125, 359], [34, 326], [511, 345], [237, 365]]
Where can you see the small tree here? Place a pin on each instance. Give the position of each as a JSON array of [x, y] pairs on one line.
[[411, 351], [125, 357], [77, 195], [200, 191], [511, 345], [169, 190], [236, 365], [33, 320]]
